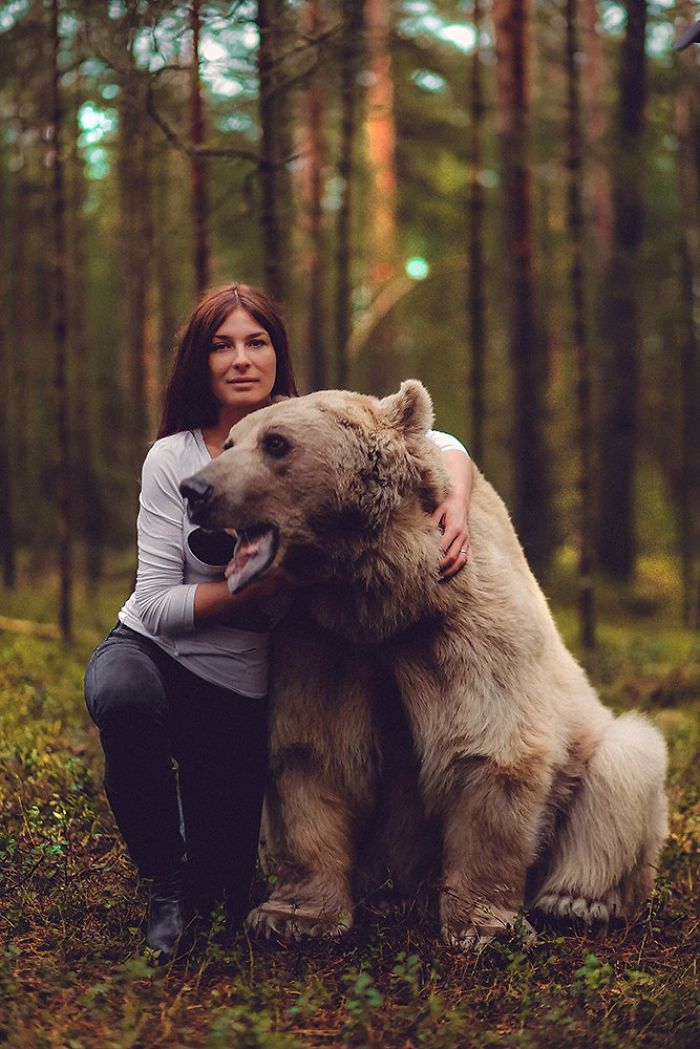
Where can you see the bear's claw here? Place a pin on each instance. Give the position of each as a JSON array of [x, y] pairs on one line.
[[588, 911], [292, 922]]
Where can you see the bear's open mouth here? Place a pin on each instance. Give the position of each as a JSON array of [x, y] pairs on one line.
[[254, 552]]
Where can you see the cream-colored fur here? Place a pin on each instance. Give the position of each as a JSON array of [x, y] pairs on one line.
[[436, 729]]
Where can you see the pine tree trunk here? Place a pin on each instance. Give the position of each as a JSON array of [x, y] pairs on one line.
[[60, 338], [687, 116], [134, 258], [475, 245], [580, 333], [88, 500], [620, 311], [532, 509], [349, 59], [597, 179], [381, 141], [198, 165], [275, 129], [7, 417], [313, 184]]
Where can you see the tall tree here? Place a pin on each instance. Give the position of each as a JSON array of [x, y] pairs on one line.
[[133, 180], [198, 163], [381, 148], [273, 110], [620, 310], [381, 136], [60, 334], [7, 421], [528, 356], [475, 243], [580, 332], [595, 114], [314, 151], [350, 46], [688, 137]]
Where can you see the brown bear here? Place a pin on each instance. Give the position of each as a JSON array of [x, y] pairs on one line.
[[440, 730]]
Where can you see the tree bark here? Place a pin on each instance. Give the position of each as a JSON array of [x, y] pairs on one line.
[[7, 416], [586, 607], [475, 245], [597, 178], [381, 148], [88, 498], [349, 59], [274, 127], [313, 182], [60, 337], [687, 127], [134, 193], [198, 164], [532, 509], [620, 381]]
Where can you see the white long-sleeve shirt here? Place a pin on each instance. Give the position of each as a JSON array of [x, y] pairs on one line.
[[169, 571]]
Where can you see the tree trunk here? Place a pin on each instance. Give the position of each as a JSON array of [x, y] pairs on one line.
[[88, 499], [7, 415], [133, 179], [198, 165], [274, 128], [532, 509], [381, 142], [349, 59], [620, 312], [475, 245], [597, 179], [60, 338], [687, 117], [313, 182], [580, 333]]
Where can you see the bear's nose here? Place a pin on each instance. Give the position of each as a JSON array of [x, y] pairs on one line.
[[196, 491]]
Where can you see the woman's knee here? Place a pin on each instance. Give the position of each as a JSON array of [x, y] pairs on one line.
[[123, 686]]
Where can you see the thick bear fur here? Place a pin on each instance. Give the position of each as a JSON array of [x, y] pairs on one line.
[[439, 731]]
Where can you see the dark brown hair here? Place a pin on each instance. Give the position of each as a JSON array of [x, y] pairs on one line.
[[189, 402]]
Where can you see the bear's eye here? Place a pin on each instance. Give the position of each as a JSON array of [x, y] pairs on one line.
[[276, 445], [228, 443]]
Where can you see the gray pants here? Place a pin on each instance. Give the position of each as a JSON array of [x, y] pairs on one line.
[[150, 710]]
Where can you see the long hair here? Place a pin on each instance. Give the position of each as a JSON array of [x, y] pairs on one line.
[[189, 402]]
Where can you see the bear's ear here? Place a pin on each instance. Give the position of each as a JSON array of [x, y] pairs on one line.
[[410, 410]]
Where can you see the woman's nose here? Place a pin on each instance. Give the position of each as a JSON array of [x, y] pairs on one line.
[[240, 359]]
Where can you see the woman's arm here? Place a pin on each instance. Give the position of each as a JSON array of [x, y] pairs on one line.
[[215, 600], [165, 603]]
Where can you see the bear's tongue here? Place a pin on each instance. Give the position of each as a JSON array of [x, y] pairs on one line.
[[255, 549]]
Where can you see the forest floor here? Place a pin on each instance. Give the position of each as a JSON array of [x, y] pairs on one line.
[[72, 969]]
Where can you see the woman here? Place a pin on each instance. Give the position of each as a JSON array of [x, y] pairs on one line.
[[183, 675]]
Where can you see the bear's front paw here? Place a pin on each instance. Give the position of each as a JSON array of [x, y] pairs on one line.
[[290, 921], [584, 910], [483, 924]]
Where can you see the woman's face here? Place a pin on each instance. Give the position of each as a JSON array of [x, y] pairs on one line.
[[242, 365]]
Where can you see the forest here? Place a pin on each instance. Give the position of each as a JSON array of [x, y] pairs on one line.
[[497, 197]]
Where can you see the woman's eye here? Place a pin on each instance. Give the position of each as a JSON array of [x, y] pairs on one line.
[[219, 346], [256, 343]]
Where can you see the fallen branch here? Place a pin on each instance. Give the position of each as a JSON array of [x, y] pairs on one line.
[[25, 626]]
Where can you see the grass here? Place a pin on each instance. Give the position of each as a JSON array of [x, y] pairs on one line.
[[72, 970]]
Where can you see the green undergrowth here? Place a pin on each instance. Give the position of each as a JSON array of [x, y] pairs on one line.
[[72, 970]]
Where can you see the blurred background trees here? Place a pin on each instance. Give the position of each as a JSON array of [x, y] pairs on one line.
[[499, 197]]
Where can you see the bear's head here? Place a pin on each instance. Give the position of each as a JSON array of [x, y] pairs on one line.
[[305, 480]]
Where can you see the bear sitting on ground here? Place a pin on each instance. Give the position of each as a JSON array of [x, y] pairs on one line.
[[439, 730]]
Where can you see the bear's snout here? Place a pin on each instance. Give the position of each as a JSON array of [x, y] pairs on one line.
[[197, 492]]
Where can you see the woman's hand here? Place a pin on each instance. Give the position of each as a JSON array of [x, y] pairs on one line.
[[452, 516]]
